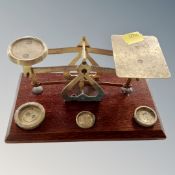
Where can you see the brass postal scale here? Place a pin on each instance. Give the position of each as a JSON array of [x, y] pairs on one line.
[[83, 101]]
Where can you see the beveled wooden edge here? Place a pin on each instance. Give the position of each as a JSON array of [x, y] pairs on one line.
[[13, 108], [99, 136]]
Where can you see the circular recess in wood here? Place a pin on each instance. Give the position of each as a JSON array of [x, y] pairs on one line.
[[145, 116], [85, 119], [29, 115]]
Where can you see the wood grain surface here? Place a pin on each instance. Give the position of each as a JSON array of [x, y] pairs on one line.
[[114, 114]]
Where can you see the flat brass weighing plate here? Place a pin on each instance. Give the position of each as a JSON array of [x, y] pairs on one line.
[[143, 59], [85, 119], [27, 51], [145, 116], [29, 115]]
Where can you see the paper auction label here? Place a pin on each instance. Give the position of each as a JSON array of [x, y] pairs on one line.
[[134, 37]]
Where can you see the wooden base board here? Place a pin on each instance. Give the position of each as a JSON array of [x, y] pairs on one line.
[[114, 114]]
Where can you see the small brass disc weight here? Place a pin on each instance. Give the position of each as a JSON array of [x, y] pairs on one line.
[[29, 115], [85, 119], [145, 116], [27, 51]]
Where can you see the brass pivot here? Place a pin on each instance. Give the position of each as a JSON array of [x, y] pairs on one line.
[[83, 87]]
